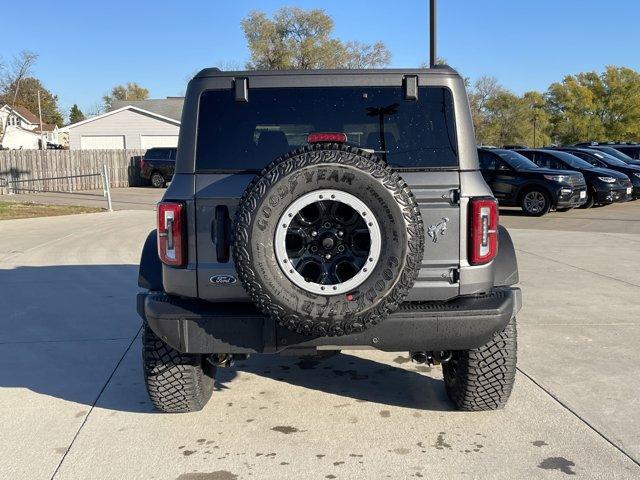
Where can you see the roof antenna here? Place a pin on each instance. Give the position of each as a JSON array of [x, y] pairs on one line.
[[432, 34]]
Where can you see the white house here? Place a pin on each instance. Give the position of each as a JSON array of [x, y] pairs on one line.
[[130, 125], [20, 129]]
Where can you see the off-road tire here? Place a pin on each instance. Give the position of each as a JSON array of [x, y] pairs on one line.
[[482, 378], [176, 382], [157, 180], [285, 179], [544, 210]]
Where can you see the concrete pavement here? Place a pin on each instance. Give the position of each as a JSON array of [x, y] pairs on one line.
[[73, 403]]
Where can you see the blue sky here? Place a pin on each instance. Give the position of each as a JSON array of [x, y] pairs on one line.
[[87, 47]]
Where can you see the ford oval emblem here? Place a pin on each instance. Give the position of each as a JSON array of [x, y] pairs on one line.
[[223, 280]]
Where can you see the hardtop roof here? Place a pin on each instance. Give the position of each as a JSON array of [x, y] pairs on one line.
[[438, 70]]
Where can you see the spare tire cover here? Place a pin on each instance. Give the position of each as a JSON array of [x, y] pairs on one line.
[[328, 240]]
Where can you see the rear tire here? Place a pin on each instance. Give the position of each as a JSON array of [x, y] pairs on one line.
[[176, 382], [157, 180], [482, 378], [535, 202]]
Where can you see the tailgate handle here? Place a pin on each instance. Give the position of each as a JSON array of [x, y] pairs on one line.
[[222, 233]]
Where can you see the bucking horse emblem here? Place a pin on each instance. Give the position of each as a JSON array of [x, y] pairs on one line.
[[437, 229]]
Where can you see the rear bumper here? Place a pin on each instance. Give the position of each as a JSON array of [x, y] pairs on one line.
[[196, 326]]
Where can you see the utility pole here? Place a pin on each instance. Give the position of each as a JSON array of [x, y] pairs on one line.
[[42, 144], [432, 34]]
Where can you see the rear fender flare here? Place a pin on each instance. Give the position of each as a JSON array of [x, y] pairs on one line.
[[505, 265], [150, 272]]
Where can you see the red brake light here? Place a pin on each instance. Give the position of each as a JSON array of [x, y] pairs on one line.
[[318, 137], [483, 242], [171, 233]]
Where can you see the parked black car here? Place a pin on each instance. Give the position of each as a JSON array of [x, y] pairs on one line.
[[517, 181], [630, 149], [157, 165], [614, 152], [601, 159], [604, 186]]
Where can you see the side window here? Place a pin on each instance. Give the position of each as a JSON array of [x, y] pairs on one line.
[[502, 166], [542, 160], [587, 158], [557, 164], [487, 161]]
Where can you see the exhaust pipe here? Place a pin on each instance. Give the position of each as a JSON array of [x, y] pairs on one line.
[[419, 357], [431, 358]]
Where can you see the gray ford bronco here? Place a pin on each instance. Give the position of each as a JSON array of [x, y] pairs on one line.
[[315, 211]]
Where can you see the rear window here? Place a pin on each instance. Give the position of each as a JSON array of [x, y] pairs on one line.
[[158, 154], [248, 135]]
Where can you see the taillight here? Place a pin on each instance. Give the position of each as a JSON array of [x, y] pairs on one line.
[[484, 231], [318, 137], [171, 233]]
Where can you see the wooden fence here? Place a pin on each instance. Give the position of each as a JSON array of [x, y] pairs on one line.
[[39, 165]]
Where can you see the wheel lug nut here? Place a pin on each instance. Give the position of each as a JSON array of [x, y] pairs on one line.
[[314, 234], [340, 233], [328, 256], [341, 248]]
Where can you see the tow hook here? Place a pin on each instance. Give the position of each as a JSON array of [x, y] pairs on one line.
[[431, 358]]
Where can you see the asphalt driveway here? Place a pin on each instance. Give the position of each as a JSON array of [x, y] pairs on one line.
[[73, 403]]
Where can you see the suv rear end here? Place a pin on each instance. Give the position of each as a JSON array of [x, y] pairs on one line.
[[157, 165], [250, 143]]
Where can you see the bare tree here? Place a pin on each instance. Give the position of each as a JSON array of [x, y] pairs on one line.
[[362, 55], [20, 68]]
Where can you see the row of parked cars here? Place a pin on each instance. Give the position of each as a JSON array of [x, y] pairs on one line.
[[561, 178]]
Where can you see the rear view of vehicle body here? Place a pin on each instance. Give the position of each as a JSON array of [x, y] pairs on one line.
[[602, 159], [518, 182], [294, 228], [604, 186], [157, 165]]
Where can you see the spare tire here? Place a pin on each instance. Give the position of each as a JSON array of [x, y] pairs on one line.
[[328, 240]]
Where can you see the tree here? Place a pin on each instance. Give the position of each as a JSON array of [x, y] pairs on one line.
[[130, 91], [301, 40], [25, 92], [592, 106], [75, 115], [480, 93], [13, 75]]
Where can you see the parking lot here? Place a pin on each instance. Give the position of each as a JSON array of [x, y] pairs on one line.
[[73, 403]]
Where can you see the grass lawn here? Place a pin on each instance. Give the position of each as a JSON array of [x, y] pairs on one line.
[[11, 210]]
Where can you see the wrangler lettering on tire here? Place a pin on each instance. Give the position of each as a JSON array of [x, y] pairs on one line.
[[328, 240]]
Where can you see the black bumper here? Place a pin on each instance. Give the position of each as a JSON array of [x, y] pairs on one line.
[[195, 326], [612, 195], [573, 198]]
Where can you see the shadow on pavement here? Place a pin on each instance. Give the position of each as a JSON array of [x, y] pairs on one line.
[[358, 378], [64, 329]]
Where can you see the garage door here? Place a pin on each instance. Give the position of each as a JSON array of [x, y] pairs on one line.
[[102, 142], [150, 141]]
